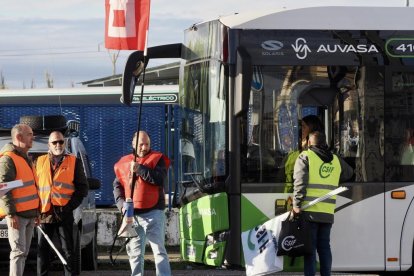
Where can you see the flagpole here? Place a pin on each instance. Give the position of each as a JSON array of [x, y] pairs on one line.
[[135, 76], [143, 81], [140, 102]]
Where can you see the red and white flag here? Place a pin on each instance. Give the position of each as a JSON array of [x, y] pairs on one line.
[[126, 24]]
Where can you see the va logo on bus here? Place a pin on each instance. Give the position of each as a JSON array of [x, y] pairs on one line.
[[325, 170], [301, 48]]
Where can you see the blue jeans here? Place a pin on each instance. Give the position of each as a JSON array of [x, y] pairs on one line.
[[150, 226], [321, 236]]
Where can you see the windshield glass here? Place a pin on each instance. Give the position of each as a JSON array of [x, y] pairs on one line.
[[203, 123]]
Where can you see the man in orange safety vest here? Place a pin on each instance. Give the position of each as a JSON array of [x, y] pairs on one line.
[[62, 187]]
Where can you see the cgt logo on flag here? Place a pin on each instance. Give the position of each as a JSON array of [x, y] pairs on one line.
[[126, 24]]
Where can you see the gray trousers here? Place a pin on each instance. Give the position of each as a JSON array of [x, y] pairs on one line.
[[20, 240]]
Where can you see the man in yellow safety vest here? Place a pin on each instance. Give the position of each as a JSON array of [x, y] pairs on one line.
[[317, 171]]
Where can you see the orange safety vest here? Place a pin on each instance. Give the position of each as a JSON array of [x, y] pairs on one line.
[[57, 191], [25, 197], [146, 195]]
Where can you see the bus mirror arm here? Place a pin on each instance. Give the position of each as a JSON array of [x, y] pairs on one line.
[[136, 63], [133, 69]]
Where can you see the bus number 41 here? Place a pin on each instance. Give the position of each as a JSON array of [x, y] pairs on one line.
[[405, 48]]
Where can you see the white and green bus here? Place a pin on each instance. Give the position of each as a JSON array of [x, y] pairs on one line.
[[246, 80]]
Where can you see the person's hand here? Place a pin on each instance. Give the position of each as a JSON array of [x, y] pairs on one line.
[[37, 221], [13, 221], [60, 213], [133, 167]]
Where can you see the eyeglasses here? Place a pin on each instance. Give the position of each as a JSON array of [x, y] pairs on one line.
[[59, 141]]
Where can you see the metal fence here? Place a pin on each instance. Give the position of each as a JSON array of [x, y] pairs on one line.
[[106, 131]]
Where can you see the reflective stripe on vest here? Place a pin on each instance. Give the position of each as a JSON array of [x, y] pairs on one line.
[[59, 190], [25, 197], [146, 195], [323, 178]]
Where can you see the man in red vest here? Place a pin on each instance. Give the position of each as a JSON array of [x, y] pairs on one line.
[[62, 186], [147, 195], [21, 204]]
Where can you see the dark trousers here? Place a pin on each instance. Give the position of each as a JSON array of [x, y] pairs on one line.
[[321, 236], [64, 232]]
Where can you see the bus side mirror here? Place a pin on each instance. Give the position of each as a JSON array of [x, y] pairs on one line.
[[243, 81], [133, 69], [136, 63]]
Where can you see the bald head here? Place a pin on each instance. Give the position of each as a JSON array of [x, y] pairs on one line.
[[144, 143], [22, 137], [56, 143]]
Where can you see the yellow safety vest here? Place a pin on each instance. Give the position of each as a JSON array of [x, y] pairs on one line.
[[323, 178], [57, 191], [289, 167], [25, 197]]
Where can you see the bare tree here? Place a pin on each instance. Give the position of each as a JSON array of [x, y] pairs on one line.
[[114, 58], [33, 84], [2, 81], [49, 80]]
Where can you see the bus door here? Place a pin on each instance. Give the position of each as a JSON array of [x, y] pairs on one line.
[[398, 147], [357, 118], [280, 96], [351, 107]]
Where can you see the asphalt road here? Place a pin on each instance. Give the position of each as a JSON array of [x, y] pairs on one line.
[[105, 268], [178, 267]]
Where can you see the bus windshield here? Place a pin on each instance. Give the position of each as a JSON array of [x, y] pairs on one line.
[[203, 124]]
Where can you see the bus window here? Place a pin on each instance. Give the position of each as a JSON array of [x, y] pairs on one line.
[[202, 143], [347, 118], [271, 129], [399, 130], [354, 121], [358, 122]]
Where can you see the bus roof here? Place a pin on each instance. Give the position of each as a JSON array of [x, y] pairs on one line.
[[325, 18]]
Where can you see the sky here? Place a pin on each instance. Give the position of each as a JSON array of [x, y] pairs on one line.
[[65, 39]]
